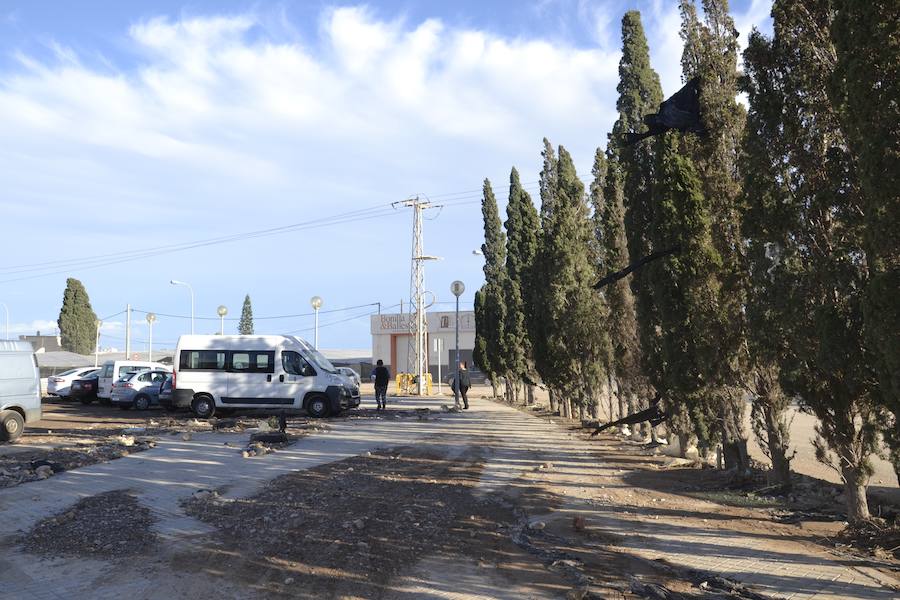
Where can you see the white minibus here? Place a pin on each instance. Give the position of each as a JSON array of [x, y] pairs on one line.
[[113, 370], [224, 372], [20, 389]]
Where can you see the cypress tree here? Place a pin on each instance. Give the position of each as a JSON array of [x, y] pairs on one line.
[[865, 88], [521, 245], [537, 302], [711, 53], [491, 316], [685, 286], [816, 250], [77, 320], [766, 225], [575, 338], [628, 213], [245, 325]]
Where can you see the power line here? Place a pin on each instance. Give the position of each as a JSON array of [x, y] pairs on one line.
[[255, 318]]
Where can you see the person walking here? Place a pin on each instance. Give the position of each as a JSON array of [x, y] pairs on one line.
[[464, 384], [382, 377]]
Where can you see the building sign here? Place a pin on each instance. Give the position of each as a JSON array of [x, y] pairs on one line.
[[404, 323]]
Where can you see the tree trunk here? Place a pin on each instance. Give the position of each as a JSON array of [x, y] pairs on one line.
[[855, 481], [610, 397], [734, 437], [493, 387], [620, 393], [595, 409], [529, 394], [777, 444], [553, 403], [581, 413]]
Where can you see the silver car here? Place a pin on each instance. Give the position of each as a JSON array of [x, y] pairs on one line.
[[138, 390]]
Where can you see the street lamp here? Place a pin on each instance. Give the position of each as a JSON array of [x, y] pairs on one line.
[[477, 252], [316, 303], [98, 323], [6, 308], [150, 319], [222, 311], [188, 286], [457, 287]]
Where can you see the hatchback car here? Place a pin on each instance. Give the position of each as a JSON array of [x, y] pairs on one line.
[[85, 389], [138, 390], [61, 383]]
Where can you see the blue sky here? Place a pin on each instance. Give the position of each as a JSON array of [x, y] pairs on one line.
[[127, 126]]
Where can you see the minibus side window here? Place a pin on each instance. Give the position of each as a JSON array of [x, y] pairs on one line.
[[294, 364], [263, 362], [202, 360], [240, 361]]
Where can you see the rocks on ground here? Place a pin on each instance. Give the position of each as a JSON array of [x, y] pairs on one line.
[[108, 525]]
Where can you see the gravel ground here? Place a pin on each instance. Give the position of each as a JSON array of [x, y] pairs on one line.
[[109, 525]]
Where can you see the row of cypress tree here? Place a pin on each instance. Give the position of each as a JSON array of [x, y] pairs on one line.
[[785, 288]]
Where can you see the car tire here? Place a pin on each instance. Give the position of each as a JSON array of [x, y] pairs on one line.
[[204, 406], [86, 401], [317, 406], [141, 402], [11, 425]]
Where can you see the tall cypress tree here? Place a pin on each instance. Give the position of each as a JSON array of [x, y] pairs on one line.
[[711, 53], [245, 325], [628, 213], [685, 286], [816, 252], [865, 89], [537, 302], [766, 225], [521, 245], [575, 339], [491, 316], [77, 320]]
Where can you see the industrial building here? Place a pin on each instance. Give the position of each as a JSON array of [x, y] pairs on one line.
[[393, 341]]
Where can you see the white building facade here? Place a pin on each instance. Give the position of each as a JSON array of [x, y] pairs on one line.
[[393, 341]]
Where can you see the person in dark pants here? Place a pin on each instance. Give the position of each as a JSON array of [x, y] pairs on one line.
[[464, 384], [382, 377]]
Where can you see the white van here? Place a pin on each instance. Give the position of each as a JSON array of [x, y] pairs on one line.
[[257, 371], [113, 370], [20, 389]]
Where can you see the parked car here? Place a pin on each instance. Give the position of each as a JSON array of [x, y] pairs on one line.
[[165, 394], [85, 389], [114, 370], [353, 375], [60, 384], [138, 390], [20, 389], [262, 371]]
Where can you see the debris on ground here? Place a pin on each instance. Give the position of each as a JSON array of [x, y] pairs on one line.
[[35, 465], [108, 525]]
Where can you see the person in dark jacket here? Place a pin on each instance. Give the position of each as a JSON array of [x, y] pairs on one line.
[[382, 378], [464, 384]]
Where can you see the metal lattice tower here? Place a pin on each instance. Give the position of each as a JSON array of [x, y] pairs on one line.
[[417, 349]]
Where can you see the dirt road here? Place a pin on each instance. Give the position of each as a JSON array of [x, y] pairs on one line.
[[411, 503]]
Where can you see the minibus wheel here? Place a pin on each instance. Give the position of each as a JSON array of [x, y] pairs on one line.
[[317, 407], [11, 425], [203, 406]]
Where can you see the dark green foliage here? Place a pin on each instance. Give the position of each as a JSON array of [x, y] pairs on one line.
[[521, 243], [77, 320], [490, 318], [572, 310], [245, 325], [711, 53], [685, 285], [865, 89], [811, 229]]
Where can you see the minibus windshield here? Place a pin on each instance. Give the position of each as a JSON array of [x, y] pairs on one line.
[[316, 357]]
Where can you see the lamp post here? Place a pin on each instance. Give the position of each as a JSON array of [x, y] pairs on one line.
[[222, 311], [6, 308], [99, 323], [151, 317], [188, 286], [316, 303], [457, 287]]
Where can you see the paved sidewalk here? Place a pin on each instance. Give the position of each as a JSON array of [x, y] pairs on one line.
[[513, 444]]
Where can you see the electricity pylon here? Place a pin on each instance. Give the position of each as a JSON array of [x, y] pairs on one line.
[[417, 349]]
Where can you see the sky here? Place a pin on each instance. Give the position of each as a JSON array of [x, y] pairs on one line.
[[256, 148]]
